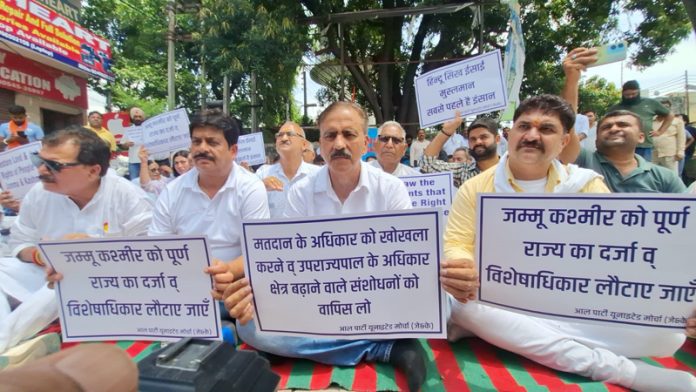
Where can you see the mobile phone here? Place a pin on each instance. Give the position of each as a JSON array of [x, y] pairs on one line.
[[610, 53], [21, 133]]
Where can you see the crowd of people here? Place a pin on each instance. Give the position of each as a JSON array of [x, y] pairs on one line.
[[207, 193]]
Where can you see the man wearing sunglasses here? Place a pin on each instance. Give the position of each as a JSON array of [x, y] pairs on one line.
[[390, 148], [289, 142], [77, 197]]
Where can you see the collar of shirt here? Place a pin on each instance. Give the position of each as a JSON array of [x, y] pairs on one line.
[[323, 183], [190, 179], [643, 165], [552, 177]]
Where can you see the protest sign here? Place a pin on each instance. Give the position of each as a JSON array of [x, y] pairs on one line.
[[17, 172], [349, 277], [618, 259], [251, 149], [166, 132], [133, 134], [472, 86], [431, 190], [134, 288]]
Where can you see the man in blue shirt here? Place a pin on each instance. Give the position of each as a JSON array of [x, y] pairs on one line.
[[19, 130]]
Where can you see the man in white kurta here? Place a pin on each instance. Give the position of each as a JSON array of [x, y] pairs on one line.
[[77, 196], [214, 197], [277, 178], [390, 147], [345, 185]]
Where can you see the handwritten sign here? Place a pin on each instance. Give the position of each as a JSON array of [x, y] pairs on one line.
[[472, 86], [251, 149], [166, 132], [134, 288], [617, 259], [349, 277], [17, 172], [430, 190]]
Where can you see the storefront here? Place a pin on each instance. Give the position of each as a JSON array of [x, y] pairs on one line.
[[45, 61]]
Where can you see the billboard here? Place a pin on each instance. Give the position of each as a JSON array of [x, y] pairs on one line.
[[30, 24], [25, 76]]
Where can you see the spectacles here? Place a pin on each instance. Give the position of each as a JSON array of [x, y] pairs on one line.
[[53, 166], [395, 140], [289, 134]]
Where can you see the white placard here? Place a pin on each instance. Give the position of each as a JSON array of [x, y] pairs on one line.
[[133, 134], [616, 259], [166, 132], [145, 288], [17, 172], [251, 149], [351, 277], [472, 86], [431, 190]]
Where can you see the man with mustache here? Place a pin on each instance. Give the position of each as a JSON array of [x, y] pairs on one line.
[[345, 185], [77, 197], [213, 197], [290, 142], [646, 109], [483, 147], [390, 147], [137, 117], [540, 131]]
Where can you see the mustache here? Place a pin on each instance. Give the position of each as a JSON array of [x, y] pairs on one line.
[[45, 178], [204, 156], [340, 154], [533, 144]]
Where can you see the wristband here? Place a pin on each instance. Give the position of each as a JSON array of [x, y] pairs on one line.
[[36, 258], [447, 134]]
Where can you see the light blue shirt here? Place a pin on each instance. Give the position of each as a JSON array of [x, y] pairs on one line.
[[33, 132]]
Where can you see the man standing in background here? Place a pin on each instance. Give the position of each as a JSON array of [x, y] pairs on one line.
[[19, 130]]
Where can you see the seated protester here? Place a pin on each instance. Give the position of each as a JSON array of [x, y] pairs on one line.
[[461, 155], [483, 147], [165, 168], [150, 178], [345, 185], [182, 162], [77, 197], [618, 135], [390, 147]]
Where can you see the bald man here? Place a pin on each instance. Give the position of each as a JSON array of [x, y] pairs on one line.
[[290, 142]]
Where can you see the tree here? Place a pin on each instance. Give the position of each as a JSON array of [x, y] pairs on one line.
[[596, 94], [383, 56]]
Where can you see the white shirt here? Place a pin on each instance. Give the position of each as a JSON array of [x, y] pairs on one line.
[[590, 142], [184, 209], [582, 126], [502, 146], [454, 142], [277, 199], [400, 171], [376, 191], [417, 149], [132, 150], [118, 209]]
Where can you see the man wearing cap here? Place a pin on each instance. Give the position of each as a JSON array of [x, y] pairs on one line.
[[646, 109]]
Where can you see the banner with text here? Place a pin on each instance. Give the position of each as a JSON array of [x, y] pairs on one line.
[[134, 288], [166, 132], [431, 190], [618, 259], [17, 172], [472, 86], [377, 276], [25, 76], [32, 25], [250, 148]]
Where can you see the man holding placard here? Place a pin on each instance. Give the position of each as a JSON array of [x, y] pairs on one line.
[[77, 197], [290, 142], [539, 133], [213, 197], [345, 185], [390, 147]]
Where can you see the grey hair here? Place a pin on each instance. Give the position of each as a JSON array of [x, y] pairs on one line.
[[392, 123]]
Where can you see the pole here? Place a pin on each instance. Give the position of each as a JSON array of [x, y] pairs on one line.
[[171, 99], [686, 94], [226, 94], [342, 93], [480, 45], [254, 123], [304, 93]]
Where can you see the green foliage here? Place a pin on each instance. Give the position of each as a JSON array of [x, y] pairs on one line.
[[596, 94]]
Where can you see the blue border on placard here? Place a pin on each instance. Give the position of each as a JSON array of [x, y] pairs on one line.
[[215, 304], [436, 214], [482, 199]]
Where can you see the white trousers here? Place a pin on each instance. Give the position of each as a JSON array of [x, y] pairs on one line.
[[596, 351], [26, 283]]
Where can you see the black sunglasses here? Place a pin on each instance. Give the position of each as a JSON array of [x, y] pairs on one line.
[[394, 139], [51, 165]]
